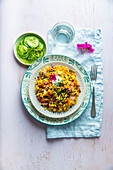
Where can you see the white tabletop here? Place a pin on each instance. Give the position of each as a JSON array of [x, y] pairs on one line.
[[23, 143]]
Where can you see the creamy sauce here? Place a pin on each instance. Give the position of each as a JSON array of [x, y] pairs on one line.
[[57, 81]]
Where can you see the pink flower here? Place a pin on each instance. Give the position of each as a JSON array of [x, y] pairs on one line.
[[85, 47], [91, 50], [53, 77], [89, 46], [79, 46]]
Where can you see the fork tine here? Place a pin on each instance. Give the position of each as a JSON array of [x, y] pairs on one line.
[[95, 71], [91, 69], [95, 67]]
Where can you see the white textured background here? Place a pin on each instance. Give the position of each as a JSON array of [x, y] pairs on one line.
[[23, 144]]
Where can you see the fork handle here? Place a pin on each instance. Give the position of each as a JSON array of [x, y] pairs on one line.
[[93, 110]]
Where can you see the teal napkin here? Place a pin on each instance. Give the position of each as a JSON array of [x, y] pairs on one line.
[[85, 125]]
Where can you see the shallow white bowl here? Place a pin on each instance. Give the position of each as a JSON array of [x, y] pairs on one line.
[[48, 113]]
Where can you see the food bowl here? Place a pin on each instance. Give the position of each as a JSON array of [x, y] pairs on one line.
[[35, 101], [29, 47]]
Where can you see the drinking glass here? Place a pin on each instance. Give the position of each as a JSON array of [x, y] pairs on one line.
[[63, 33]]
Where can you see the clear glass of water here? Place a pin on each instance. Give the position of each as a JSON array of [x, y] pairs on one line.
[[63, 33]]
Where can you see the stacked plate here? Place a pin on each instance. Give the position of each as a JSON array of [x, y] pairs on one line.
[[32, 104]]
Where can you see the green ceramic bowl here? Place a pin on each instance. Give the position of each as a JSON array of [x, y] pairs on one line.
[[25, 61]]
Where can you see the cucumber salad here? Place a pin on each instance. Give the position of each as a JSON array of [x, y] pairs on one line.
[[30, 48]]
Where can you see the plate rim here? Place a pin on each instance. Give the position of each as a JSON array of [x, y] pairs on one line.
[[47, 123]]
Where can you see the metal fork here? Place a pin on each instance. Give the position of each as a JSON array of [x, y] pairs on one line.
[[93, 76]]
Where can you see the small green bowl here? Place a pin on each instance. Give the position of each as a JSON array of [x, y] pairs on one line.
[[25, 61]]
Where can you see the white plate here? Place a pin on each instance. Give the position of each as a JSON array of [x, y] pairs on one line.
[[25, 90], [48, 113]]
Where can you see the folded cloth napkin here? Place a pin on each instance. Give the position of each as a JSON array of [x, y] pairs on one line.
[[85, 125]]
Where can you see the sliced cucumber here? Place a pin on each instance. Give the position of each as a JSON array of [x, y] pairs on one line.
[[42, 53], [32, 57], [37, 53], [40, 46], [31, 41], [25, 55], [22, 49]]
